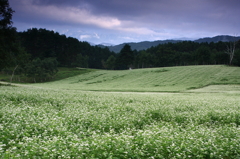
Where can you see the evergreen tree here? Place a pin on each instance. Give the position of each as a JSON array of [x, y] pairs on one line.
[[125, 58], [110, 63]]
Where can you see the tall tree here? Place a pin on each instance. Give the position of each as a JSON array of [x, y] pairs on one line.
[[203, 55], [5, 30], [5, 15], [110, 63], [144, 59], [10, 50], [126, 57]]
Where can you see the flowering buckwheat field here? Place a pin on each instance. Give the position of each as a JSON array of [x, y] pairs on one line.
[[48, 123], [63, 119]]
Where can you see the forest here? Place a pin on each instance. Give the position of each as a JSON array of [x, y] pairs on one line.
[[43, 44]]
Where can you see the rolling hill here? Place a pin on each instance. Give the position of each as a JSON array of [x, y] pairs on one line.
[[167, 79]]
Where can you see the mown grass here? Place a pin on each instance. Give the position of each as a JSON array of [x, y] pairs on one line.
[[57, 123], [168, 79], [64, 72]]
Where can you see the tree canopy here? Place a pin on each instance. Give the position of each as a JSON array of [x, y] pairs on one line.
[[5, 15], [69, 52], [125, 58]]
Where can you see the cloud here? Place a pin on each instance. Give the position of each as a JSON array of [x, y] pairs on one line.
[[76, 15], [128, 38], [64, 31], [136, 19], [97, 36], [89, 36], [85, 37], [69, 15]]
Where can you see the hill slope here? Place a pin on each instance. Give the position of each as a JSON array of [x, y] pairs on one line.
[[167, 79]]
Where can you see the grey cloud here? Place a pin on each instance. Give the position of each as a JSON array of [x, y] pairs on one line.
[[151, 9], [170, 17], [56, 2]]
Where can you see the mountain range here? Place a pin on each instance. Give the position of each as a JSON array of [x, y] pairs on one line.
[[147, 44]]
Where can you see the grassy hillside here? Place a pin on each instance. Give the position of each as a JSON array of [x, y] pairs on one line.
[[167, 79]]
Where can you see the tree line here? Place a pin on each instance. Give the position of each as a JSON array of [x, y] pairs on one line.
[[177, 54], [45, 50], [187, 53], [68, 51]]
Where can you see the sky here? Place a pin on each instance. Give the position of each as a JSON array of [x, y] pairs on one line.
[[119, 21]]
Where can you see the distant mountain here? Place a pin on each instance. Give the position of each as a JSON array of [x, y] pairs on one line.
[[103, 45], [141, 45], [223, 38], [106, 44], [147, 44]]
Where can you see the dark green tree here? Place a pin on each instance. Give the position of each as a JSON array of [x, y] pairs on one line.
[[125, 58], [41, 70], [185, 58], [203, 55], [5, 15], [110, 63], [11, 52], [144, 59], [6, 33], [81, 61]]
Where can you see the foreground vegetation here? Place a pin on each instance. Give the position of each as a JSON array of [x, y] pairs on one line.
[[52, 123], [60, 120]]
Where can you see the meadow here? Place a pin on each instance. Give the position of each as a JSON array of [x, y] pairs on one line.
[[67, 119], [167, 79]]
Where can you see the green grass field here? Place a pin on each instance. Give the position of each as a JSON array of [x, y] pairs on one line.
[[145, 113], [167, 79]]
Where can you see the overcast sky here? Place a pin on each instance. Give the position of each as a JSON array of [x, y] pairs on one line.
[[118, 21]]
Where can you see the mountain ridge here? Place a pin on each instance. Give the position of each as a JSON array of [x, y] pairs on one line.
[[143, 45]]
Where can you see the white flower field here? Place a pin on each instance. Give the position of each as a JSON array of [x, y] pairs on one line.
[[68, 123]]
